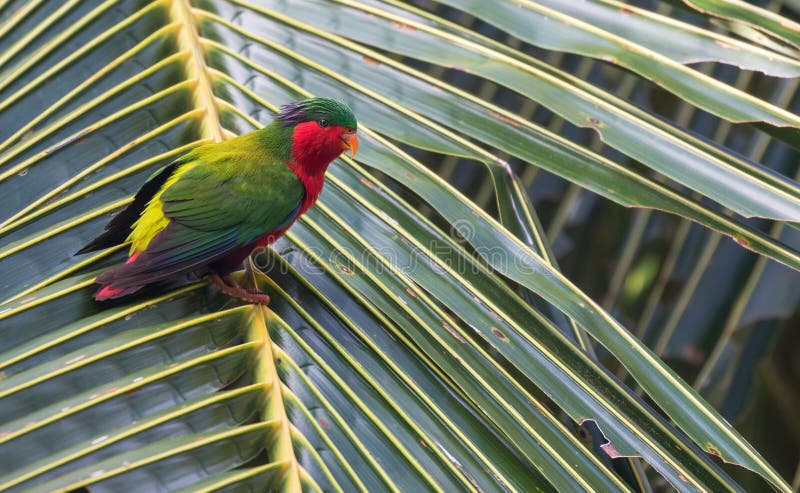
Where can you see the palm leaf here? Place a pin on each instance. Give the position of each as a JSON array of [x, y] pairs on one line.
[[394, 356]]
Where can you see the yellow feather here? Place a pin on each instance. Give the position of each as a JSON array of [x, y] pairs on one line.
[[152, 219]]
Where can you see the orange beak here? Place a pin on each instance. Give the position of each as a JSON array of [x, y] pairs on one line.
[[350, 142]]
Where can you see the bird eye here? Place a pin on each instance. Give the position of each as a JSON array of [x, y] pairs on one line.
[[323, 122]]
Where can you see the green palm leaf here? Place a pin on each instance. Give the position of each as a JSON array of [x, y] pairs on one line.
[[395, 355]]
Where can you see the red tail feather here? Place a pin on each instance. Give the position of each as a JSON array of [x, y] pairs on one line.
[[107, 292]]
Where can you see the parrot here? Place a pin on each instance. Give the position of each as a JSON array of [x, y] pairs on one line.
[[211, 208]]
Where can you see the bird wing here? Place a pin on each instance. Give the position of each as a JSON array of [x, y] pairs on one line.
[[214, 207], [117, 230], [215, 198]]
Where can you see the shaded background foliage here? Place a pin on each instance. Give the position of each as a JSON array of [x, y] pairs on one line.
[[722, 316]]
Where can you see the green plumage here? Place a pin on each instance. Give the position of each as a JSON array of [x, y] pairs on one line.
[[226, 196], [211, 207], [234, 186]]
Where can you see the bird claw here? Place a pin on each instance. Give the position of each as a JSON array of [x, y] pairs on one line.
[[229, 286]]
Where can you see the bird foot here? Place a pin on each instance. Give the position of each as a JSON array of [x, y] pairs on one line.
[[229, 286]]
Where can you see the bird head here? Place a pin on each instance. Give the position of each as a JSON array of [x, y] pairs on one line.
[[323, 128]]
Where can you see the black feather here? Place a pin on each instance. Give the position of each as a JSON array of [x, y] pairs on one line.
[[118, 229]]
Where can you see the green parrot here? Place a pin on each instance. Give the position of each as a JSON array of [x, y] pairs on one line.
[[210, 208]]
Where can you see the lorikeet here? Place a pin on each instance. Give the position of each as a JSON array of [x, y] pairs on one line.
[[210, 208]]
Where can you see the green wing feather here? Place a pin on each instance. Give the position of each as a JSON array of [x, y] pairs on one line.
[[254, 198]]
